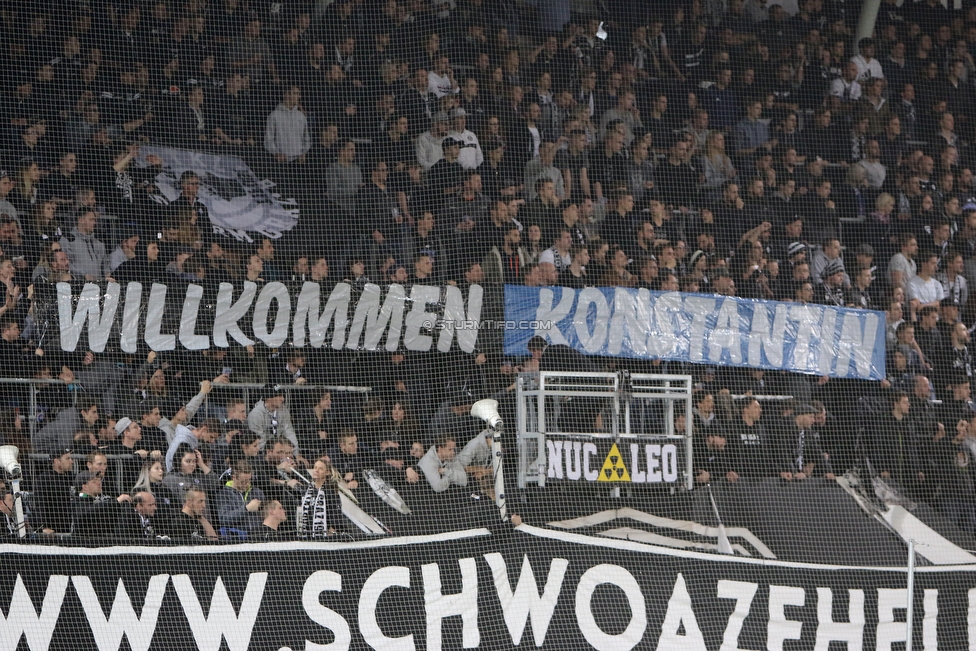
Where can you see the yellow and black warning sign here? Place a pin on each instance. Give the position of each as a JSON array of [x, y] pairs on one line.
[[613, 467], [578, 460]]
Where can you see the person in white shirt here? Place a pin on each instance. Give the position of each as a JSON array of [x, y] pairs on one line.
[[874, 171], [846, 89], [925, 289], [867, 65], [558, 254], [471, 157], [429, 149], [440, 80], [902, 267]]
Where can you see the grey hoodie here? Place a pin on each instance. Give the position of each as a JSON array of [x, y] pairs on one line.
[[287, 132], [87, 255], [59, 433]]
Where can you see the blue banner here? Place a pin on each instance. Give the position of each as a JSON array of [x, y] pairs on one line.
[[699, 328]]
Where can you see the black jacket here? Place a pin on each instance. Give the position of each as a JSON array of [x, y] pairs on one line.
[[95, 517], [53, 497], [130, 527]]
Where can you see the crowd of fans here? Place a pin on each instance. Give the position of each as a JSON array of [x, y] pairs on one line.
[[721, 147]]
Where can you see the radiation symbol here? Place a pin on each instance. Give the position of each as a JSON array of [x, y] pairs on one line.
[[613, 467]]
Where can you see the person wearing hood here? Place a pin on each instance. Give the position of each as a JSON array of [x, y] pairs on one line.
[[85, 251]]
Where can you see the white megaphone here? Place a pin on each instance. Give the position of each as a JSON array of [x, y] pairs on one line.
[[8, 460], [487, 410]]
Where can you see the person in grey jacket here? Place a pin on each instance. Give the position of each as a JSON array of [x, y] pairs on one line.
[[59, 434], [286, 136], [86, 253], [441, 467], [238, 502], [270, 418]]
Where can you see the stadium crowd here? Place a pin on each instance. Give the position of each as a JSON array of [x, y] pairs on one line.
[[709, 146]]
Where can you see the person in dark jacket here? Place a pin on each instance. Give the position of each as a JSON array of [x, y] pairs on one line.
[[238, 502], [711, 454], [191, 525], [893, 450], [753, 450], [94, 515], [53, 494], [801, 450], [137, 524]]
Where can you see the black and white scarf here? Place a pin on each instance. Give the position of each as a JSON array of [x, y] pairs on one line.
[[315, 519]]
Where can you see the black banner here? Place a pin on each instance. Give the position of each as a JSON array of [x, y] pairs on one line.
[[527, 588]]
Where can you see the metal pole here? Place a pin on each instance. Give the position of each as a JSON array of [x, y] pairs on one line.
[[868, 16], [32, 417], [498, 469], [541, 410], [18, 508], [910, 612], [689, 443]]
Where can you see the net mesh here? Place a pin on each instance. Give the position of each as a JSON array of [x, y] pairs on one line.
[[607, 324]]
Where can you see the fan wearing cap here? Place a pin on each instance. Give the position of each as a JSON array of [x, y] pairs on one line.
[[429, 143], [948, 317], [802, 454], [53, 493], [129, 444], [796, 252], [270, 418], [831, 290], [471, 156], [94, 514]]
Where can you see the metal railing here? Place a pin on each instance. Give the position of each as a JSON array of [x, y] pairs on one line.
[[245, 391], [31, 384], [626, 397]]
